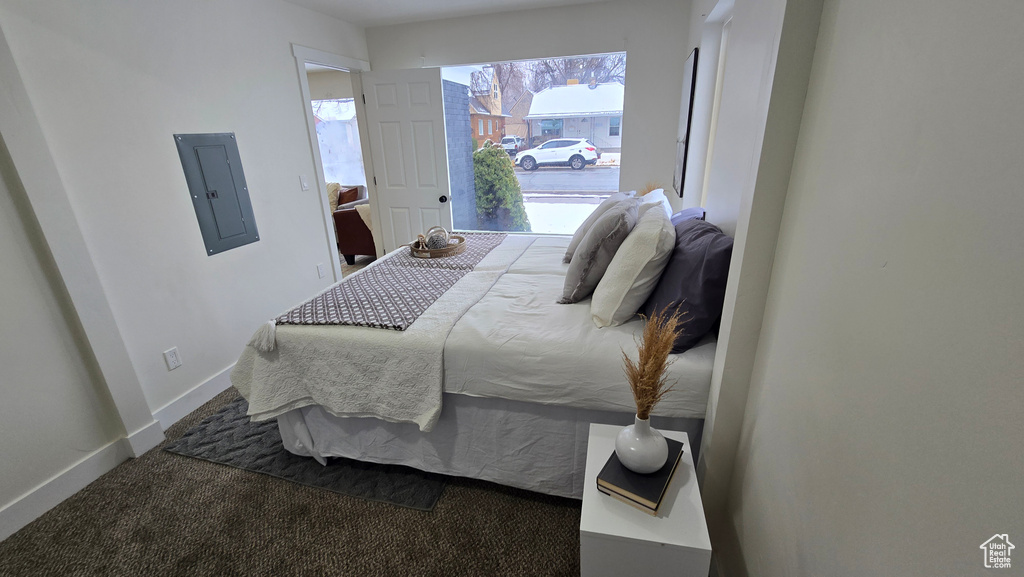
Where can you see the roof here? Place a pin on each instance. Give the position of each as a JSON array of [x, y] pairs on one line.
[[577, 100], [506, 106], [477, 107]]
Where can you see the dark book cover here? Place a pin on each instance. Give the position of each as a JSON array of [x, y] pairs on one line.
[[646, 490], [628, 501]]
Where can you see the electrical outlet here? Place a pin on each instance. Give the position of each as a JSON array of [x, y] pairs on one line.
[[321, 270], [172, 358], [303, 182]]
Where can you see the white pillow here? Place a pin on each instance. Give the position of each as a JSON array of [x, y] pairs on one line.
[[635, 269], [654, 197], [602, 208]]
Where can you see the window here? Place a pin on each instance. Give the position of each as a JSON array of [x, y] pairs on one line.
[[551, 127], [613, 125], [338, 137], [564, 109]]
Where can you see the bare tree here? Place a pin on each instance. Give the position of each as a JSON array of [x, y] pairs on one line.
[[511, 79], [586, 69], [480, 82]]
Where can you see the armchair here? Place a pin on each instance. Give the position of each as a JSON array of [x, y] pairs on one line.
[[354, 237]]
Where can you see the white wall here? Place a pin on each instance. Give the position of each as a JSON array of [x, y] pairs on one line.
[[55, 409], [652, 32], [329, 85], [707, 18], [883, 430], [111, 81], [771, 47], [747, 81]]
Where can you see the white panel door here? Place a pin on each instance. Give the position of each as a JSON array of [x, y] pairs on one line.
[[404, 111]]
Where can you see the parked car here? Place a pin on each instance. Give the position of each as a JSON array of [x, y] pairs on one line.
[[512, 144], [575, 153]]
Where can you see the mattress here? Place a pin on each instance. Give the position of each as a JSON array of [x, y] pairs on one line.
[[518, 343]]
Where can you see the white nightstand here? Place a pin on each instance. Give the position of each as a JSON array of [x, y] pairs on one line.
[[617, 539]]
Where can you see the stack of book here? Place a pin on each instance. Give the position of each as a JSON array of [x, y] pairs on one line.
[[645, 492]]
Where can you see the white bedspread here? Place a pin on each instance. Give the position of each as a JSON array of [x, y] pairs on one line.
[[331, 365], [517, 343]]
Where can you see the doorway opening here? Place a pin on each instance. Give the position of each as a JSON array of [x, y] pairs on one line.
[[341, 170], [328, 84]]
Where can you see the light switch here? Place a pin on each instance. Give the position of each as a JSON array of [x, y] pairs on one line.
[[304, 182]]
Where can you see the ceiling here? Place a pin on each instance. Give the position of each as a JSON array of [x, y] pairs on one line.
[[370, 13]]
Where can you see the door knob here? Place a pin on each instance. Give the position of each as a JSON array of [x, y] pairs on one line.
[[442, 199]]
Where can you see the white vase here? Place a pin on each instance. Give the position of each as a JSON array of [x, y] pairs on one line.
[[640, 448]]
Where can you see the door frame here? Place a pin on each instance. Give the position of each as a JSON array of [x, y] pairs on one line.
[[305, 55]]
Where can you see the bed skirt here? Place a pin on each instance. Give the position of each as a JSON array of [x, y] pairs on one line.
[[536, 447]]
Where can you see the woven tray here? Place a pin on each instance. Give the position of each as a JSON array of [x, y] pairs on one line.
[[419, 250]]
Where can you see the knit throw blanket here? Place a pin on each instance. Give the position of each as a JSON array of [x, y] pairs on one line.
[[394, 292]]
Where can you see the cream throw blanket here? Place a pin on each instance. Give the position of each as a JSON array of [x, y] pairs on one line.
[[364, 213], [352, 371]]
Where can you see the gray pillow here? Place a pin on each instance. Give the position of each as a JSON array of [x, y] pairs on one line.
[[581, 232], [592, 257]]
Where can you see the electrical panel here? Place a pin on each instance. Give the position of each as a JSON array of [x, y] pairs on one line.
[[213, 172]]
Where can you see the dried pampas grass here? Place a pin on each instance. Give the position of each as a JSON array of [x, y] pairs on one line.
[[652, 185], [646, 375]]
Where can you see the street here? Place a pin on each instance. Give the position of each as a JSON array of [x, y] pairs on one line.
[[566, 180]]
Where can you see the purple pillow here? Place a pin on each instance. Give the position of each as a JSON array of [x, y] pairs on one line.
[[694, 280], [696, 212]]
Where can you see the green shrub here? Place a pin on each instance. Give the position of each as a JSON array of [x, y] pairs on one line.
[[499, 200]]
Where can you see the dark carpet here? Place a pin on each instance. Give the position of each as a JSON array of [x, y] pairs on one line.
[[162, 514], [228, 437]]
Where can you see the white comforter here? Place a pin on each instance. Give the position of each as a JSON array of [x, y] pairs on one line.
[[359, 371], [494, 334], [517, 343]]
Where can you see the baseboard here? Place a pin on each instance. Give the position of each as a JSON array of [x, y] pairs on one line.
[[200, 394], [56, 489], [145, 439]]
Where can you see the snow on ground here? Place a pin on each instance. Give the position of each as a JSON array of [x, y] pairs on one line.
[[609, 159], [558, 214]]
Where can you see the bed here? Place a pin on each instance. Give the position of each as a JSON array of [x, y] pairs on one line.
[[520, 378]]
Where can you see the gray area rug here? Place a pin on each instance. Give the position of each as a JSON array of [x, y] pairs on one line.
[[230, 438]]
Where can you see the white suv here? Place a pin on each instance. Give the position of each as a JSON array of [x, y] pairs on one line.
[[512, 144], [577, 153]]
